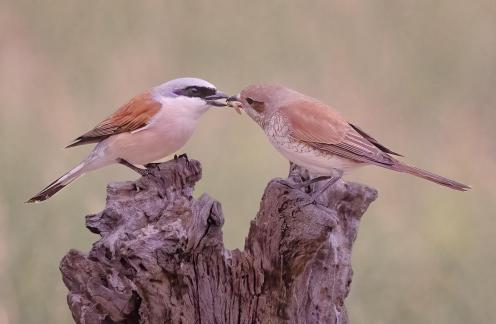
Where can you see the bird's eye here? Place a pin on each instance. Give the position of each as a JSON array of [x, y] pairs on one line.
[[195, 91], [257, 105]]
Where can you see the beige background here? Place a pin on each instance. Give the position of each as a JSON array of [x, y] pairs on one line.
[[418, 75]]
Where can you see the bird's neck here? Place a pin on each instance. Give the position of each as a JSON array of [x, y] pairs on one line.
[[184, 107]]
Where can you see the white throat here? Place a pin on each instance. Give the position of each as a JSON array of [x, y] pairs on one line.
[[186, 107]]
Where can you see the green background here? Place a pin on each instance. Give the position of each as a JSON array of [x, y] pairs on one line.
[[418, 75]]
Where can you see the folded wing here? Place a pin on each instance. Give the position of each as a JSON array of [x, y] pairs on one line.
[[321, 127], [128, 118]]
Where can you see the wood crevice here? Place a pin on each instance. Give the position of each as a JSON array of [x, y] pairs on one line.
[[161, 256]]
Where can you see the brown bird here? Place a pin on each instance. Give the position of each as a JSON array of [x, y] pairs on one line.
[[311, 134]]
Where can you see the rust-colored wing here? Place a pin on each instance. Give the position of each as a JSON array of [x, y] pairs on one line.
[[314, 122], [130, 117], [322, 128]]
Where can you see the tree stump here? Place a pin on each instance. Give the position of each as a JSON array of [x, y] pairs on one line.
[[161, 256]]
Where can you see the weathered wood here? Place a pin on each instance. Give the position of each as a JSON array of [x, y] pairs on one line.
[[161, 257]]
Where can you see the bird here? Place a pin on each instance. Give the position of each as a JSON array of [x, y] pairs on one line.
[[315, 136], [150, 126]]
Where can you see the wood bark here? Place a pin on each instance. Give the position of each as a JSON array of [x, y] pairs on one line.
[[161, 256]]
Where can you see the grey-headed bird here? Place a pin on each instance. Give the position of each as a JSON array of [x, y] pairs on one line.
[[313, 135], [150, 126]]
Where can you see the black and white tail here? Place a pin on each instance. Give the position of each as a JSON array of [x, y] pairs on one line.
[[58, 184]]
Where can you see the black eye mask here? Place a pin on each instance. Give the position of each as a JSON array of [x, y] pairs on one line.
[[196, 91]]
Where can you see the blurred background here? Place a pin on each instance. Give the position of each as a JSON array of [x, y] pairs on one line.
[[418, 75]]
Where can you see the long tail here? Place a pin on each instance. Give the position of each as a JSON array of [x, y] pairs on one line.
[[429, 176], [58, 184]]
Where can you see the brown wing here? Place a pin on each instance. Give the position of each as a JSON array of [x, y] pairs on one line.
[[314, 122], [374, 141], [130, 117], [320, 127]]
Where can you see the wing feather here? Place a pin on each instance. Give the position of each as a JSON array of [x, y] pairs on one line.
[[130, 117], [312, 121], [322, 128], [374, 141]]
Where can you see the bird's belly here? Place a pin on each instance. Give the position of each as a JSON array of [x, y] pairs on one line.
[[315, 161], [148, 145]]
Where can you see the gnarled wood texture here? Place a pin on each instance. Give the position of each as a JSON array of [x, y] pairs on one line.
[[161, 257]]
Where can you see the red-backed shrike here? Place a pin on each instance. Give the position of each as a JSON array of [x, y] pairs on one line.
[[315, 136], [150, 126]]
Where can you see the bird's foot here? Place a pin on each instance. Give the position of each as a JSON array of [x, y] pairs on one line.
[[289, 184], [309, 182], [141, 172], [182, 156], [331, 180], [304, 184], [152, 165]]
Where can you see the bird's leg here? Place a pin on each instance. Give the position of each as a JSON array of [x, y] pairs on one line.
[[311, 181], [176, 157], [337, 174], [297, 174], [304, 184], [293, 171], [140, 171]]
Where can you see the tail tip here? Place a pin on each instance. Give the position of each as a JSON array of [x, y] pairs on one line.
[[464, 187], [45, 194], [35, 200]]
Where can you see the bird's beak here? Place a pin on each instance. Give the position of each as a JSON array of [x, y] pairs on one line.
[[212, 100], [235, 102], [233, 98]]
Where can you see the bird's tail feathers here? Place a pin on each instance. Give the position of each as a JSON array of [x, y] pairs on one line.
[[429, 176], [58, 184]]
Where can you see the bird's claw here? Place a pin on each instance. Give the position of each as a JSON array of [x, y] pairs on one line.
[[141, 172], [288, 184], [151, 165], [144, 172], [307, 184], [182, 156]]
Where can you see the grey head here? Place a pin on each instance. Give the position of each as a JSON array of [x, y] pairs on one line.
[[193, 88]]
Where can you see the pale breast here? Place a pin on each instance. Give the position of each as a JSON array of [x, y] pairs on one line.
[[316, 161], [168, 133]]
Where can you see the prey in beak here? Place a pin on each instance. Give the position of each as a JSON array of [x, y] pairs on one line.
[[212, 100], [235, 102]]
